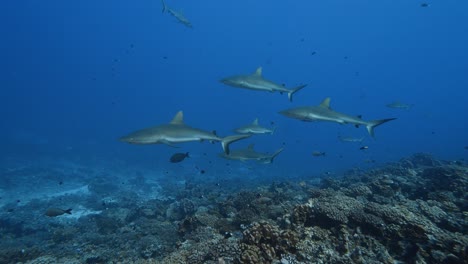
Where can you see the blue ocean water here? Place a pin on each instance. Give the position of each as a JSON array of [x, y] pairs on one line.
[[79, 75], [75, 76]]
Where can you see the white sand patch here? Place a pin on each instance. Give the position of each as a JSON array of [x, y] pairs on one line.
[[83, 190], [81, 211], [44, 193], [76, 213]]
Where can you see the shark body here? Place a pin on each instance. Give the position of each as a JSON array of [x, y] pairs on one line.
[[181, 18], [254, 128], [323, 112], [399, 105], [350, 139], [177, 132], [250, 154], [256, 82]]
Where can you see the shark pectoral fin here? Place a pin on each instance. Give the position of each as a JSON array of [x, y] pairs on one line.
[[375, 123], [225, 142], [294, 90], [170, 144]]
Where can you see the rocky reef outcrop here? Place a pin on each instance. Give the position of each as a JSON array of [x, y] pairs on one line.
[[411, 211]]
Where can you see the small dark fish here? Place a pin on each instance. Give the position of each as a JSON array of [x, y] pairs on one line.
[[424, 5], [202, 171], [313, 53], [60, 182], [227, 235], [363, 147], [466, 147], [53, 212], [178, 157], [318, 153]]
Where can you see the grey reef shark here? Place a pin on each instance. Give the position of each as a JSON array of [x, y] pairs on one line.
[[350, 139], [399, 105], [250, 154], [181, 18], [323, 112], [255, 81], [254, 128], [178, 132]]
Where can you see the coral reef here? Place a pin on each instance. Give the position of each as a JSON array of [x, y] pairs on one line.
[[412, 211]]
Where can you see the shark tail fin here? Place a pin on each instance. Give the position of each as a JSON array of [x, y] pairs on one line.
[[294, 90], [68, 211], [225, 142], [164, 6], [275, 154], [273, 130], [375, 123]]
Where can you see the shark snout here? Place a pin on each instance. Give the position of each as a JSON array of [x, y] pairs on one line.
[[285, 113], [226, 81], [129, 139], [126, 139]]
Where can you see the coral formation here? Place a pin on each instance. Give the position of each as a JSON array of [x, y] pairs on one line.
[[413, 211]]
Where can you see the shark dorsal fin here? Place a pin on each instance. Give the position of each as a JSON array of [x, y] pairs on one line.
[[258, 72], [250, 147], [325, 103], [178, 119], [255, 122]]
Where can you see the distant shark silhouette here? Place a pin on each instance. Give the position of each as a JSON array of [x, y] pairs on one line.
[[350, 139], [254, 128], [256, 82], [181, 18], [399, 105], [250, 154], [177, 132], [323, 112]]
